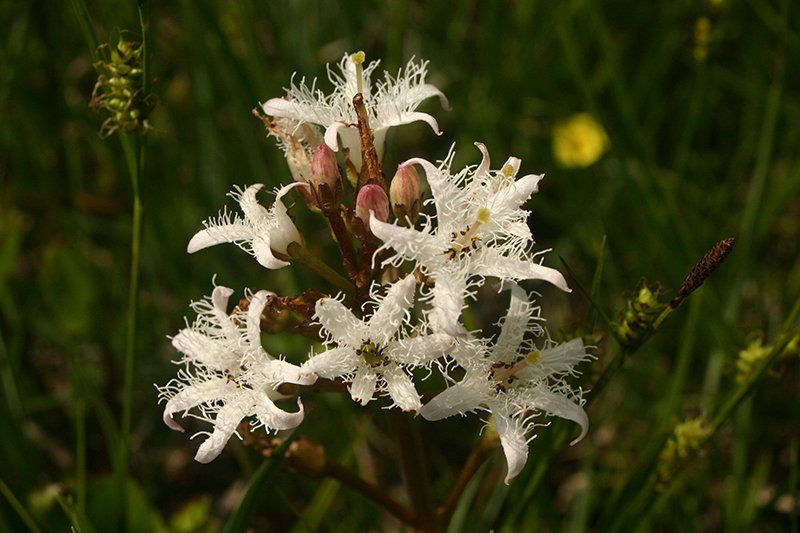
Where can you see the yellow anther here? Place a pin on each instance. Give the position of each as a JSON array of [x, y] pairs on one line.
[[359, 58], [508, 171], [483, 215], [534, 357]]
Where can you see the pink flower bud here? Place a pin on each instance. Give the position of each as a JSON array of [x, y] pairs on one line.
[[372, 198], [326, 179], [405, 195]]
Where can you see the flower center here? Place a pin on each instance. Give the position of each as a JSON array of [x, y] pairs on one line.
[[505, 373], [465, 241], [372, 354]]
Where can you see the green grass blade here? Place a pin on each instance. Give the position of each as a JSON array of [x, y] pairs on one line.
[[22, 512], [240, 519], [89, 31]]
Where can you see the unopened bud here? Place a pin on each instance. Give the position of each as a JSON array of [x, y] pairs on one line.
[[405, 195], [642, 310], [370, 198], [326, 179], [298, 141]]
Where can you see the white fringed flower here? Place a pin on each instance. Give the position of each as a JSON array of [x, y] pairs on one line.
[[391, 102], [373, 354], [228, 375], [480, 231], [261, 233], [515, 382]]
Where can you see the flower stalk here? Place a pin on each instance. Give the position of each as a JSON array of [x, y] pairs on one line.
[[413, 470]]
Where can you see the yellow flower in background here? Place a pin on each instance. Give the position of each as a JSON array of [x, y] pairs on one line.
[[579, 141]]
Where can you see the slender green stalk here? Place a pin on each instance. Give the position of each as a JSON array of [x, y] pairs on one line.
[[134, 148], [747, 387], [766, 142], [89, 31], [239, 520], [19, 508], [80, 454], [794, 478], [135, 151]]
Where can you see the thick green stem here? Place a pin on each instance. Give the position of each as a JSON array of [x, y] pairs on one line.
[[315, 264]]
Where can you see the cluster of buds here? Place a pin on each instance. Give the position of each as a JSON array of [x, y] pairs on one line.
[[119, 90], [641, 311], [683, 445], [407, 277]]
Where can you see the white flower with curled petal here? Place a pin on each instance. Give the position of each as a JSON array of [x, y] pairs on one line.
[[515, 382], [228, 375], [262, 232], [373, 354], [391, 102], [480, 231]]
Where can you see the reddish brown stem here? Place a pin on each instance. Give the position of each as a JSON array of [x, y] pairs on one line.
[[371, 491], [474, 461], [344, 241]]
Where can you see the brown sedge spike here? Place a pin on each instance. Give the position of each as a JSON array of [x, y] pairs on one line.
[[707, 265]]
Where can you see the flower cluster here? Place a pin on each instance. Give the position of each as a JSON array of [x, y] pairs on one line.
[[412, 266]]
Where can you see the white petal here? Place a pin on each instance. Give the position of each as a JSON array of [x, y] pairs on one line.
[[511, 197], [214, 354], [560, 405], [252, 334], [384, 324], [262, 249], [511, 268], [274, 418], [558, 360], [281, 107], [418, 93], [362, 389], [448, 301], [482, 172], [466, 396], [280, 371], [515, 445], [515, 325], [254, 212], [401, 389], [408, 118], [419, 351], [283, 232], [349, 138], [236, 232], [331, 135], [228, 418], [332, 363], [411, 244], [340, 322], [194, 395], [220, 297]]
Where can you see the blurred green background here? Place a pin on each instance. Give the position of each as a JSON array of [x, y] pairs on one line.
[[704, 124]]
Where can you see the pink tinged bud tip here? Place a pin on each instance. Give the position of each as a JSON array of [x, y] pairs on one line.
[[372, 198], [324, 170], [405, 194]]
